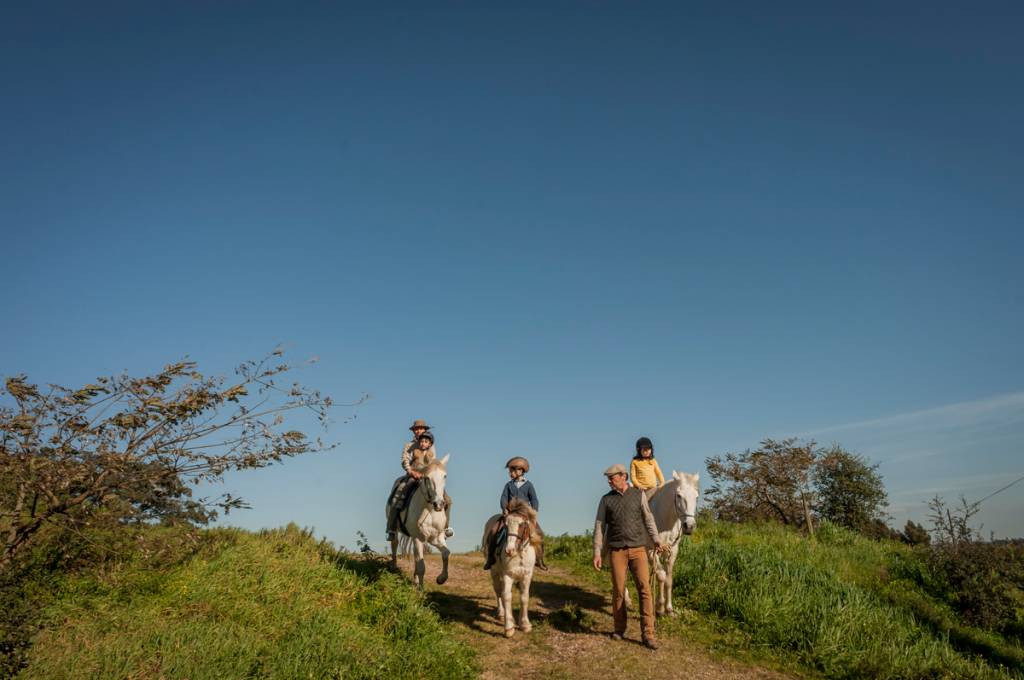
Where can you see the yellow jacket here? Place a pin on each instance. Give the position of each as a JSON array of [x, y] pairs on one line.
[[645, 473]]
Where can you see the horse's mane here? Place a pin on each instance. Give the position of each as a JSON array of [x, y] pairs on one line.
[[517, 506], [434, 464]]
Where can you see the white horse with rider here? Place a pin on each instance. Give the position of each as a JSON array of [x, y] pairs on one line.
[[423, 521], [515, 558], [674, 507]]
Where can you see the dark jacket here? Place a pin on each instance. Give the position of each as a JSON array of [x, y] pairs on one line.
[[525, 492]]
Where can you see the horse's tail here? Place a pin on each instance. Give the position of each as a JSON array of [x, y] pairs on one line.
[[405, 545]]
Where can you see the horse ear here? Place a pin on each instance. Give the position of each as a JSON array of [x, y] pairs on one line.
[[444, 461], [676, 475]]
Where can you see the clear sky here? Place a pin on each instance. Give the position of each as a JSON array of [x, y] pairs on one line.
[[547, 228]]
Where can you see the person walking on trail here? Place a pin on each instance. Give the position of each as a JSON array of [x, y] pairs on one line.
[[644, 470], [622, 527], [415, 454], [517, 487]]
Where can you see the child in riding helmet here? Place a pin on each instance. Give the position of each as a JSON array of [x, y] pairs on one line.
[[517, 487], [415, 458], [644, 470]]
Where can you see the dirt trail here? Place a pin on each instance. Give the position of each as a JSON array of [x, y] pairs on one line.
[[551, 649]]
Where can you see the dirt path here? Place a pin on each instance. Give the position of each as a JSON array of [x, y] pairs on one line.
[[555, 648]]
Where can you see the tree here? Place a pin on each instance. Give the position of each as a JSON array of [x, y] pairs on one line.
[[772, 482], [915, 534], [850, 491], [132, 446]]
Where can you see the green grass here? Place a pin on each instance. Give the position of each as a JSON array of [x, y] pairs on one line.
[[841, 606], [270, 605]]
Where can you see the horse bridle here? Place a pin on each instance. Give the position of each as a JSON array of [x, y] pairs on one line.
[[522, 534], [429, 490], [683, 514]]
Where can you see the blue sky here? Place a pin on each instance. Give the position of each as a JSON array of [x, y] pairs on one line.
[[547, 229]]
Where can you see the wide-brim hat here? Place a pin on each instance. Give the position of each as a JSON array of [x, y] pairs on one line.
[[518, 462], [616, 469], [419, 423]]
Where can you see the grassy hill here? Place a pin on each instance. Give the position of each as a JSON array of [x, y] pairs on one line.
[[276, 604], [841, 606]]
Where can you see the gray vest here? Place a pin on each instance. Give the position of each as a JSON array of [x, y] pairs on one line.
[[625, 519]]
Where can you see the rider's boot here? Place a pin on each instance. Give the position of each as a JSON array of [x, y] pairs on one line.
[[489, 562], [392, 523], [540, 557]]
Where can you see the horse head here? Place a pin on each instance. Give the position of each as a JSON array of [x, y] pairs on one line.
[[434, 476], [685, 499], [518, 523], [518, 528]]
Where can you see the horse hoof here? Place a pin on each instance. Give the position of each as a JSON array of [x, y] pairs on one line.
[[509, 632], [526, 629], [672, 613], [441, 578]]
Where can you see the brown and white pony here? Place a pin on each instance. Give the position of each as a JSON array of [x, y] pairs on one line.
[[514, 563], [424, 521]]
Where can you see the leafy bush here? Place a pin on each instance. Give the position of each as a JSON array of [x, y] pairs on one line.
[[983, 582]]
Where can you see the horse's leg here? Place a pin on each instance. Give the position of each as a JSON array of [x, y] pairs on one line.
[[524, 603], [506, 604], [496, 584], [445, 552], [421, 566], [668, 581]]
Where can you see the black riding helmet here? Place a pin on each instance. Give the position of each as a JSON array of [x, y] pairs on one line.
[[644, 443], [426, 435]]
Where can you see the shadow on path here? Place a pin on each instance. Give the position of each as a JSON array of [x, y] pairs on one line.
[[553, 596], [467, 610]]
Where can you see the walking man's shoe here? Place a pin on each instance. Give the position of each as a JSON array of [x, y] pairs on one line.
[[651, 643], [615, 636]]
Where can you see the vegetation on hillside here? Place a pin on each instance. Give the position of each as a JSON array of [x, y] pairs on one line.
[[232, 604], [842, 605]]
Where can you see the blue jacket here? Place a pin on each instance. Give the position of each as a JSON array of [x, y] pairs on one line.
[[525, 492]]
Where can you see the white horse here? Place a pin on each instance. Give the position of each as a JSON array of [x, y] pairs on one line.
[[424, 521], [674, 507], [513, 564]]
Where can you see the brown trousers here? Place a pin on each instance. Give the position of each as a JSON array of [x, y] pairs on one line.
[[635, 559]]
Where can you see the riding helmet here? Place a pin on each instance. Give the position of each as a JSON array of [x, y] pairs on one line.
[[518, 462], [644, 443]]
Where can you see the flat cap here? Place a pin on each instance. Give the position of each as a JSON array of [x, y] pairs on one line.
[[616, 469]]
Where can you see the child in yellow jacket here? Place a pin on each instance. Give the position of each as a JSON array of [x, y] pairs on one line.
[[644, 470]]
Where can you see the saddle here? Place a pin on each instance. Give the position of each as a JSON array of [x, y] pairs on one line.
[[403, 503]]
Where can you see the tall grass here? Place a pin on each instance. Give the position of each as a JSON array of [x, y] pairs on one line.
[[842, 605], [269, 605]]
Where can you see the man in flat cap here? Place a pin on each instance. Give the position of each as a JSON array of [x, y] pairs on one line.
[[623, 525]]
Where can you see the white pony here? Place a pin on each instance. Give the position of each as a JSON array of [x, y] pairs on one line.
[[674, 507], [513, 564], [424, 520]]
